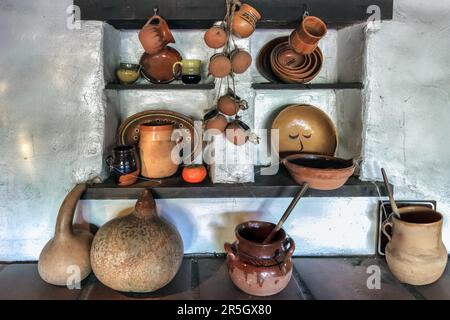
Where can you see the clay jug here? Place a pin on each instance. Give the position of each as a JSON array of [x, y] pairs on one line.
[[159, 154], [415, 253], [155, 35], [139, 252], [260, 269], [69, 249], [244, 21]]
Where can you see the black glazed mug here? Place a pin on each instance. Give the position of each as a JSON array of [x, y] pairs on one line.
[[123, 164]]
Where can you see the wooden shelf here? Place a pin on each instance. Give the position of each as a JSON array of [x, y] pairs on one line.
[[153, 86], [280, 185], [311, 86], [201, 14]]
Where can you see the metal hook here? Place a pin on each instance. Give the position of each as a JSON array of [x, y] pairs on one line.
[[305, 11], [155, 10]]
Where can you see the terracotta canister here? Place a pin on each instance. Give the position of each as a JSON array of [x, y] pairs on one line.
[[155, 35], [257, 269], [305, 38], [159, 154], [415, 253], [139, 252]]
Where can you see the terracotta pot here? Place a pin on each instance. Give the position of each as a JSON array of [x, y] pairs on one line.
[[159, 154], [237, 132], [415, 253], [240, 60], [155, 35], [305, 38], [216, 36], [69, 248], [219, 65], [139, 252], [257, 269], [123, 165], [158, 68], [215, 122], [319, 171], [244, 21]]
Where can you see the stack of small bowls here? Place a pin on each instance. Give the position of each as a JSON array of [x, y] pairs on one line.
[[299, 59]]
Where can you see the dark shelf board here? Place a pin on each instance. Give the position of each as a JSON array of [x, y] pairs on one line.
[[280, 185], [169, 86], [311, 86], [200, 14]]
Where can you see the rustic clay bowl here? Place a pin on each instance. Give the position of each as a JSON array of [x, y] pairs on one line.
[[319, 171], [263, 59], [285, 58], [305, 129], [157, 68], [318, 67], [297, 76]]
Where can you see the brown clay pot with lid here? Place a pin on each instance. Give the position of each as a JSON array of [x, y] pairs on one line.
[[139, 252], [415, 253], [257, 269], [159, 154], [69, 247]]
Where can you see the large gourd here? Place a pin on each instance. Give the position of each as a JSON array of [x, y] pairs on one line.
[[68, 251], [139, 252]]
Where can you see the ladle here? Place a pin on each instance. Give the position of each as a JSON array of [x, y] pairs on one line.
[[292, 205], [390, 194]]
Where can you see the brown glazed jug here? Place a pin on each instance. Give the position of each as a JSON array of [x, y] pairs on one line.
[[68, 251], [139, 252], [159, 154], [257, 269], [415, 253], [155, 35]]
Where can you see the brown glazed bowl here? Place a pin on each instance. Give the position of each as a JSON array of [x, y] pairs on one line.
[[260, 269], [319, 171], [157, 68]]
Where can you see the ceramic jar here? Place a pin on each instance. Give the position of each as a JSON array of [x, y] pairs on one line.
[[123, 164], [415, 253], [155, 35], [244, 21], [257, 269], [159, 154]]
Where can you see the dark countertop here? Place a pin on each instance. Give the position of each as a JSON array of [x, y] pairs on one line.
[[207, 278]]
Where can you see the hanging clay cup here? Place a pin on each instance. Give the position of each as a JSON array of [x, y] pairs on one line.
[[230, 105], [139, 252], [155, 35], [215, 122], [159, 155], [216, 36], [219, 65], [260, 269], [305, 38], [415, 253], [240, 60], [244, 21], [68, 251]]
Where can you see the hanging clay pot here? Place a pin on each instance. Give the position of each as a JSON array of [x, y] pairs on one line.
[[139, 252], [155, 35], [69, 247]]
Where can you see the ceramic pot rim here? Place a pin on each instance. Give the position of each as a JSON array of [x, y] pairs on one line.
[[250, 8], [440, 221], [150, 126], [317, 20], [286, 161], [241, 226]]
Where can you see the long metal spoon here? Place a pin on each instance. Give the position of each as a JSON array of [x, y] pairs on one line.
[[390, 195], [288, 211]]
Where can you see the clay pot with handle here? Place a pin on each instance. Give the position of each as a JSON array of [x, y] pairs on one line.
[[260, 269], [155, 35], [139, 252], [244, 21], [68, 251], [415, 253]]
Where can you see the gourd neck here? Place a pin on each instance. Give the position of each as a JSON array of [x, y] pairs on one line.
[[145, 206], [67, 211]]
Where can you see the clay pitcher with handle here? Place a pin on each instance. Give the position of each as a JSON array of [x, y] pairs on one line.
[[68, 251], [155, 35]]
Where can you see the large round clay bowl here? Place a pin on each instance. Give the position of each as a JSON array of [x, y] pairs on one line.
[[286, 58], [319, 171], [318, 68], [263, 60], [157, 68], [305, 128], [298, 75]]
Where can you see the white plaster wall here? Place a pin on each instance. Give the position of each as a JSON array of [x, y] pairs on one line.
[[407, 103]]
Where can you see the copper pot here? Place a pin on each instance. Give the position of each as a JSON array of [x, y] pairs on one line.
[[260, 269], [155, 35]]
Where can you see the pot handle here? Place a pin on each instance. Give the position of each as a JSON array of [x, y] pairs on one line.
[[291, 249], [153, 18], [383, 228], [229, 249], [177, 74]]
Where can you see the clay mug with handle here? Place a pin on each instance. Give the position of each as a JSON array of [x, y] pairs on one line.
[[155, 35]]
